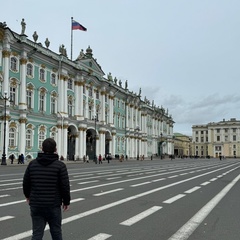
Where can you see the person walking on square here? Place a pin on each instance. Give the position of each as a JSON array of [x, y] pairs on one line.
[[46, 188], [12, 158], [100, 158]]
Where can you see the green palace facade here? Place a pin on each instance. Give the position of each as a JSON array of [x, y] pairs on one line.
[[74, 102]]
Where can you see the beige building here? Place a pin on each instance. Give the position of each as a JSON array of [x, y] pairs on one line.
[[217, 139], [182, 145]]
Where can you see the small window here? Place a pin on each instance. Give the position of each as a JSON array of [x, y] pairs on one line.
[[53, 79], [13, 64], [29, 70], [42, 74], [12, 134], [70, 84]]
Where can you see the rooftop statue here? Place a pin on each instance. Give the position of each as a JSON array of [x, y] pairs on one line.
[[23, 24]]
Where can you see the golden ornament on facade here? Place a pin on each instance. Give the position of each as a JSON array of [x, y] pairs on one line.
[[6, 53], [22, 120], [23, 61]]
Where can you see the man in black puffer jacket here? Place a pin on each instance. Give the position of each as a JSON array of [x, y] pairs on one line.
[[46, 188]]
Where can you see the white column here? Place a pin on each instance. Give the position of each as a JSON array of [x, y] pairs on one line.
[[22, 135], [103, 107], [77, 147], [111, 99], [80, 89], [6, 55], [77, 99], [22, 99], [113, 144], [65, 140]]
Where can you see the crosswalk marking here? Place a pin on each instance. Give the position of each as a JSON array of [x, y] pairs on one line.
[[88, 182], [140, 184], [5, 218], [140, 216], [11, 203], [107, 192], [175, 198], [192, 189], [77, 200], [5, 195], [100, 236]]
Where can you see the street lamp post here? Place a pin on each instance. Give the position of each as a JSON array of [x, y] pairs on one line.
[[5, 98], [137, 130]]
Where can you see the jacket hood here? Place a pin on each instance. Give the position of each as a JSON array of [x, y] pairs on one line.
[[46, 158]]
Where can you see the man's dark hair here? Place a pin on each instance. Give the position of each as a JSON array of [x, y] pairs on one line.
[[49, 145]]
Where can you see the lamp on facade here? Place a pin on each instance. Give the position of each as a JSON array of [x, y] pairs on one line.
[[137, 131], [5, 98]]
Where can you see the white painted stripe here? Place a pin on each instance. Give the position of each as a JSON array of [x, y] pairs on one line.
[[140, 216], [139, 184], [81, 183], [188, 228], [7, 189], [175, 198], [110, 205], [5, 218], [100, 236], [84, 175], [11, 203], [205, 183], [112, 178], [11, 180], [111, 191], [192, 189], [173, 176], [213, 179], [182, 174], [160, 179], [9, 184], [77, 200], [101, 173], [6, 195]]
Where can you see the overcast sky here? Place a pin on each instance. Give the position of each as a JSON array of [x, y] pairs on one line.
[[184, 54]]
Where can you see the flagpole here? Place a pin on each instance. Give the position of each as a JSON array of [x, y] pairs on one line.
[[71, 37]]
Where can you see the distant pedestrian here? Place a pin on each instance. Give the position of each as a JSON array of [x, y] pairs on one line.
[[108, 158], [19, 159], [87, 159], [12, 158], [22, 158], [46, 188], [100, 158]]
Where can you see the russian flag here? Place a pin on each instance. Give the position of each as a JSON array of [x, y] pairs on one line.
[[77, 26]]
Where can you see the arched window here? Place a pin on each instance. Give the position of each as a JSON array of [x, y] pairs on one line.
[[29, 142], [12, 137], [90, 92], [13, 64], [97, 94], [70, 107], [70, 84], [29, 70], [53, 79], [41, 137], [42, 74], [13, 95], [53, 104]]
